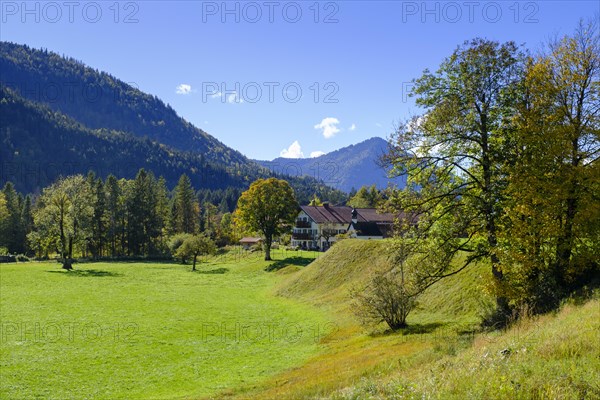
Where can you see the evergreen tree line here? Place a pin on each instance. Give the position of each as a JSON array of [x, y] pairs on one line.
[[91, 217]]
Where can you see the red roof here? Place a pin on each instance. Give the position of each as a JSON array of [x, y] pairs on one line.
[[371, 215], [343, 214], [334, 214]]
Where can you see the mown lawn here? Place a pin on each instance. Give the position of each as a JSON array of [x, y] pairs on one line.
[[149, 330]]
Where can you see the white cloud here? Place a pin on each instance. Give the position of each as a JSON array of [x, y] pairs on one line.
[[231, 98], [377, 124], [294, 151], [328, 125], [234, 98], [352, 127], [184, 88], [317, 153]]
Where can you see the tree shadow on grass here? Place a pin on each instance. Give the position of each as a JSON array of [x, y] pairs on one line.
[[216, 271], [297, 261], [87, 273], [412, 329], [419, 329]]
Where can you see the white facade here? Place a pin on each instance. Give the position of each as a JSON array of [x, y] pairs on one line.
[[310, 235]]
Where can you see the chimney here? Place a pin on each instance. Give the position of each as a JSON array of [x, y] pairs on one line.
[[326, 205], [354, 215]]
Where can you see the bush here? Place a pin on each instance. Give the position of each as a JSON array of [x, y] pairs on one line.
[[255, 247], [392, 294], [7, 259], [385, 299]]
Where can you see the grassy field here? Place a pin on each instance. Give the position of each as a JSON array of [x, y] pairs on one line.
[[242, 328], [148, 330]]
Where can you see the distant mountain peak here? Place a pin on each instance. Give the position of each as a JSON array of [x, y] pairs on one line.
[[346, 168]]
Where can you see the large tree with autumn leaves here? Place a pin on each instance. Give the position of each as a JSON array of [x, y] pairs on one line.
[[454, 156], [269, 206], [551, 235], [502, 167]]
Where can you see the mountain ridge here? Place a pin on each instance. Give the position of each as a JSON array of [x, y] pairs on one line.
[[345, 169]]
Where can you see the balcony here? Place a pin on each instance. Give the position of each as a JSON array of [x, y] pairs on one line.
[[303, 236], [302, 224]]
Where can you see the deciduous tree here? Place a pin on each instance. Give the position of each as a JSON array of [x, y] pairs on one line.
[[194, 246], [454, 154], [64, 215], [552, 228], [269, 206]]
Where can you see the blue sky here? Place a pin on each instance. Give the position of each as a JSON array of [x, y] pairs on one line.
[[268, 77]]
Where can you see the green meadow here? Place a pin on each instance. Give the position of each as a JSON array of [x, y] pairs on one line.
[[148, 330], [243, 328]]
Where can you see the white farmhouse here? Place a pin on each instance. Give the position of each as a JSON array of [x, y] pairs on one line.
[[317, 226]]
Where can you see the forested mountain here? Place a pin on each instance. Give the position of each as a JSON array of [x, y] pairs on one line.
[[99, 100], [349, 167], [60, 117], [39, 145]]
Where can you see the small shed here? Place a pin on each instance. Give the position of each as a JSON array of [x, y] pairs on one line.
[[248, 242]]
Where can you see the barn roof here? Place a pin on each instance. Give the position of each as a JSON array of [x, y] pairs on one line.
[[334, 214], [343, 214], [371, 215]]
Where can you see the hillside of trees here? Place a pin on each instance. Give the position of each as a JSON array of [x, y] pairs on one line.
[[39, 145], [101, 101]]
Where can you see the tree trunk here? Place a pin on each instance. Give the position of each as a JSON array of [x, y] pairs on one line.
[[564, 247], [194, 262], [63, 243], [502, 307], [268, 248], [67, 264], [67, 258]]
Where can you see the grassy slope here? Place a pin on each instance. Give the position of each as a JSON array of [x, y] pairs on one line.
[[550, 357], [440, 356], [143, 330], [328, 281]]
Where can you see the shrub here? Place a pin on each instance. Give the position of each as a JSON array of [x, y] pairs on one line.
[[385, 299], [392, 294]]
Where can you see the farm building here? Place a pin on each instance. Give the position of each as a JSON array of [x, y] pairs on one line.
[[316, 227]]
